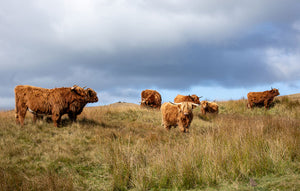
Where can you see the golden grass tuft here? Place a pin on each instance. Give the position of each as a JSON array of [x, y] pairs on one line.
[[123, 147]]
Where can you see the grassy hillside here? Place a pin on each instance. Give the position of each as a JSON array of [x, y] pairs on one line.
[[124, 147]]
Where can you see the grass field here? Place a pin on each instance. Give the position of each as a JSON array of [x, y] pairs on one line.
[[124, 147]]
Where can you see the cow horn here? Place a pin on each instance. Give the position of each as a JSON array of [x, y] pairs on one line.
[[200, 96], [73, 87], [84, 87], [196, 104], [174, 103]]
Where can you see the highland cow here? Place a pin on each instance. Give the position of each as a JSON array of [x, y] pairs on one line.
[[150, 98], [191, 98], [261, 98], [55, 102], [178, 114], [209, 107]]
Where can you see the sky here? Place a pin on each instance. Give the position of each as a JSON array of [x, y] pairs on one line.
[[217, 49]]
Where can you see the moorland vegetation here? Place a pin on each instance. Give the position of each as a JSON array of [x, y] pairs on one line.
[[124, 147]]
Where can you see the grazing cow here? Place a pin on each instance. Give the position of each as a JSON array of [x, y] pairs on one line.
[[150, 98], [55, 102], [209, 107], [180, 114], [191, 98], [261, 98]]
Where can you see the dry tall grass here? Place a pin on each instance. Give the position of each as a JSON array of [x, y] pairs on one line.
[[123, 147]]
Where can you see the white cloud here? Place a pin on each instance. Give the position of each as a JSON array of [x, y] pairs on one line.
[[284, 63]]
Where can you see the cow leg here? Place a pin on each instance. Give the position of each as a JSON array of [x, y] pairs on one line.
[[56, 119], [266, 104], [21, 115], [17, 118], [72, 116], [34, 118], [250, 105]]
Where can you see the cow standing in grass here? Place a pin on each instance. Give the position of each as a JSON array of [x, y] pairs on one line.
[[150, 98], [261, 98], [191, 98], [178, 114], [55, 102], [209, 107]]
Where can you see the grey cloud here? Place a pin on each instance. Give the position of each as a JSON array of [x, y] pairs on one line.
[[116, 47]]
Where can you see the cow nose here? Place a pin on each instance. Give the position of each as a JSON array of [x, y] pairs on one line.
[[186, 113]]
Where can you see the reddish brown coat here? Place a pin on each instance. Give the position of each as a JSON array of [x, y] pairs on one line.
[[209, 107], [180, 115], [55, 102], [191, 98], [261, 98], [150, 98]]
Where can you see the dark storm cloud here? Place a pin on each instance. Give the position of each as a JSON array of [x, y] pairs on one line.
[[119, 47]]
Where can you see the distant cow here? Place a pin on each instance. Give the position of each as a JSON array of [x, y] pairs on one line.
[[150, 98], [177, 114], [261, 98], [55, 102], [209, 107], [191, 98]]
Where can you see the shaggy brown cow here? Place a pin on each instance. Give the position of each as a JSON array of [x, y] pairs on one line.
[[55, 102], [180, 114], [191, 98], [209, 107], [261, 98], [150, 98]]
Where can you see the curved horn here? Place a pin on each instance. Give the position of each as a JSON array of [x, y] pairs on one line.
[[73, 87], [174, 103], [196, 104], [200, 96]]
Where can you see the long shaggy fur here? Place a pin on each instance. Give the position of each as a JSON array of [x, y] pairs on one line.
[[261, 98], [191, 98], [177, 115], [209, 107], [55, 102], [150, 98]]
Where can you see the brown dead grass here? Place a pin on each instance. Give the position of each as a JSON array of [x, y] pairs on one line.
[[122, 147]]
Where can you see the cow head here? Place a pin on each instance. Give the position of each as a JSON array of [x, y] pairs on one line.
[[195, 99], [91, 95], [88, 94], [275, 91], [204, 104], [185, 108]]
